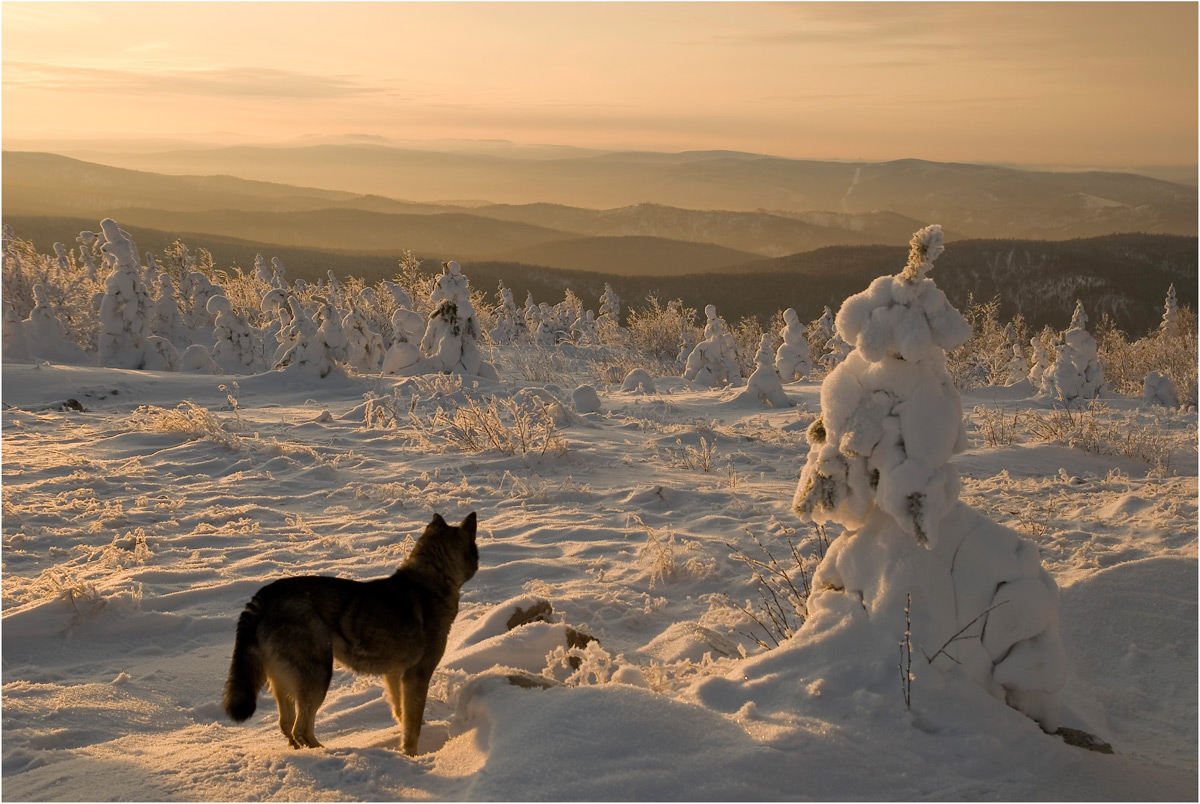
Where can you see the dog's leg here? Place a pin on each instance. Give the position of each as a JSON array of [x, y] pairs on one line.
[[310, 695], [286, 703], [391, 682], [414, 688]]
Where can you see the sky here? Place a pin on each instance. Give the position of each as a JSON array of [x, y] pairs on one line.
[[1086, 84]]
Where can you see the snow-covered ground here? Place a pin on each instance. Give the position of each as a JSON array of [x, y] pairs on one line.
[[135, 530]]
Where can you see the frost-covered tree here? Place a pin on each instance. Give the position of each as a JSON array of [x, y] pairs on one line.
[[16, 347], [168, 320], [261, 272], [532, 313], [584, 331], [1018, 366], [507, 317], [364, 349], [330, 332], [1040, 360], [713, 362], [126, 308], [792, 359], [764, 384], [608, 323], [451, 341], [1170, 319], [233, 348], [64, 260], [86, 241], [405, 352], [878, 464], [306, 349], [1076, 374], [278, 273], [279, 316], [1157, 389], [195, 290], [44, 332], [161, 355]]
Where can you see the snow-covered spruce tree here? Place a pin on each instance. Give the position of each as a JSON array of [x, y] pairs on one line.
[[87, 241], [278, 273], [404, 355], [126, 309], [44, 333], [451, 341], [15, 345], [306, 349], [168, 320], [233, 349], [1018, 366], [713, 362], [161, 355], [1040, 360], [1170, 319], [764, 385], [608, 323], [330, 332], [196, 289], [792, 359], [532, 313], [279, 316], [507, 317], [583, 331], [1076, 375], [364, 346], [879, 465]]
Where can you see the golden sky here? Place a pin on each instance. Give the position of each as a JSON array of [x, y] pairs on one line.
[[1089, 84]]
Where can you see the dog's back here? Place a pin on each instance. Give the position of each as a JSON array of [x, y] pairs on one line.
[[293, 629]]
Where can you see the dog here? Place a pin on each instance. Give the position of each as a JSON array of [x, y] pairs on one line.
[[294, 628]]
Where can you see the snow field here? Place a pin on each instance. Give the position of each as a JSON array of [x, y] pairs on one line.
[[135, 532]]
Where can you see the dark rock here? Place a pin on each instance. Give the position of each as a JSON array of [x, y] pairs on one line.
[[1081, 739]]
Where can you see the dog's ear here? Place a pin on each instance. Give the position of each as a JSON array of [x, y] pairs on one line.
[[468, 524], [437, 521]]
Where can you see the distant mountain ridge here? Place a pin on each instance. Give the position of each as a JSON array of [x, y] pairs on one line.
[[1124, 276], [46, 184], [973, 200]]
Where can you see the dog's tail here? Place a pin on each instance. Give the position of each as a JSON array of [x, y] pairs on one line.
[[246, 672]]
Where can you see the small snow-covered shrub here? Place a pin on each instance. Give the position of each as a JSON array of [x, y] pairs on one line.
[[492, 423], [667, 560], [660, 331], [783, 585], [189, 419]]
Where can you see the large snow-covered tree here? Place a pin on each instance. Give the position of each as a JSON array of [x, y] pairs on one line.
[[126, 308], [878, 464], [1076, 375], [451, 341]]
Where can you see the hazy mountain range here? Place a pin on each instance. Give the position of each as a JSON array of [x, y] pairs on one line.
[[971, 200], [806, 258]]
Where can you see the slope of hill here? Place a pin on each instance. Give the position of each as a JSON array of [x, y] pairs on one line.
[[632, 255], [49, 184], [975, 200]]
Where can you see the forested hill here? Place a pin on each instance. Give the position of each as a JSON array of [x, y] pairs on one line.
[[1125, 276]]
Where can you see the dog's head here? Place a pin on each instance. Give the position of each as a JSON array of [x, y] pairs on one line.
[[451, 547]]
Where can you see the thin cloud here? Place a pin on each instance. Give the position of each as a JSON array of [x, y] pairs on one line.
[[259, 82]]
